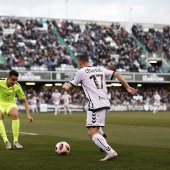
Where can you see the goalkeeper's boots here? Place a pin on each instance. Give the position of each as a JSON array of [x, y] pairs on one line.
[[17, 145], [7, 145]]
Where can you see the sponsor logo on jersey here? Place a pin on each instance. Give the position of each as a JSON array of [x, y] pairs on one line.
[[103, 98]]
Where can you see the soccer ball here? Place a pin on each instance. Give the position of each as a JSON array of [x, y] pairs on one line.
[[62, 148]]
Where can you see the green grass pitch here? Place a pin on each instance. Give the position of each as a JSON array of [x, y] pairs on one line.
[[142, 140]]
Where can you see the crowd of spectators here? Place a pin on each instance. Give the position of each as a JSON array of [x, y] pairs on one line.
[[155, 69], [29, 43], [26, 43], [106, 46], [33, 42], [156, 41]]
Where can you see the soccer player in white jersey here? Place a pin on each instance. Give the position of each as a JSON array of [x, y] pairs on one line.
[[56, 96], [33, 104], [157, 98], [93, 81], [66, 100]]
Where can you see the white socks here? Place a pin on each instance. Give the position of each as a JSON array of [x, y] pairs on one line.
[[65, 111], [56, 109], [101, 131], [100, 141]]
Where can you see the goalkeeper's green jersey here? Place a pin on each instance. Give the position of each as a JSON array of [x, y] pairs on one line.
[[8, 94]]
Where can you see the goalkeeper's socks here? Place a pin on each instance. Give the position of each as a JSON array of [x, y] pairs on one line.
[[2, 131], [15, 129]]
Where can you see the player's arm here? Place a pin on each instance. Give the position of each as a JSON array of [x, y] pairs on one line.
[[22, 97], [25, 103], [74, 82], [125, 84], [67, 86]]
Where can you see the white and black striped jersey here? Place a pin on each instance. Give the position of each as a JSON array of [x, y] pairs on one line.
[[93, 81]]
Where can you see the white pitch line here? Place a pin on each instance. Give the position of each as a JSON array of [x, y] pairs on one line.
[[25, 133]]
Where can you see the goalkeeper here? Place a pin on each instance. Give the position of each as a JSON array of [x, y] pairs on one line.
[[9, 88]]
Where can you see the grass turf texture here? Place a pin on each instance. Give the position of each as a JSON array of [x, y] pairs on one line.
[[142, 140]]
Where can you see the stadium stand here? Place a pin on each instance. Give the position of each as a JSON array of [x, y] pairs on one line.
[[45, 45], [31, 45], [105, 45], [156, 42], [41, 44]]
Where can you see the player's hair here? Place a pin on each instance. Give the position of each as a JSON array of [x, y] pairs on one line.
[[13, 73], [83, 58]]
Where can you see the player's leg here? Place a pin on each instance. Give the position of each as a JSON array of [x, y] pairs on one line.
[[13, 112], [55, 108], [65, 109], [3, 132], [58, 108], [101, 132], [158, 105], [69, 110], [32, 108], [93, 120], [36, 109], [101, 142], [154, 108]]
